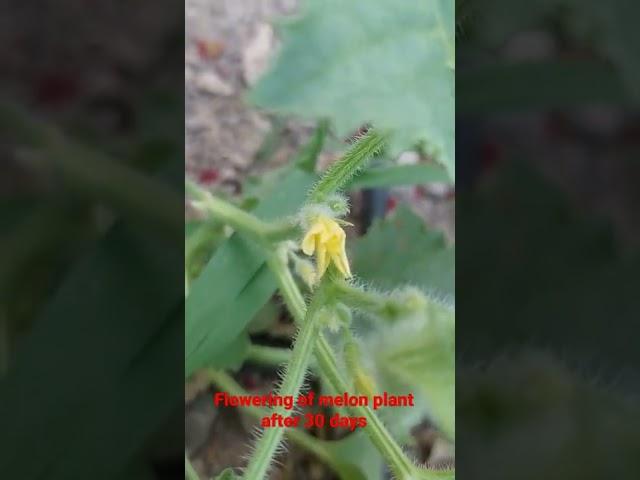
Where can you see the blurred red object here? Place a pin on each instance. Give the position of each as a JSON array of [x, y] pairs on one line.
[[208, 176], [392, 203]]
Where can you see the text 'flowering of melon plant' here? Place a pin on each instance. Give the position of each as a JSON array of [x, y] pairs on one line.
[[311, 420]]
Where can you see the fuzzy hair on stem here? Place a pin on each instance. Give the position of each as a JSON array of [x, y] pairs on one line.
[[293, 380], [338, 174]]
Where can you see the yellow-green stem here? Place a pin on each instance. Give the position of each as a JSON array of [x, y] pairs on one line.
[[338, 174], [262, 232], [399, 463], [312, 444], [310, 340], [268, 443]]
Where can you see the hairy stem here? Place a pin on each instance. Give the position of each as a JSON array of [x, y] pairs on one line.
[[399, 463], [358, 298], [273, 356], [311, 444], [337, 176], [392, 305], [310, 341], [268, 443], [97, 176], [268, 355], [401, 466], [240, 220]]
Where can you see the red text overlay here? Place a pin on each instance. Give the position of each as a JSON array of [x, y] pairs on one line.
[[283, 404]]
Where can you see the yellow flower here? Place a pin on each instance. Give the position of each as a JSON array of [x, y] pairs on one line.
[[327, 239]]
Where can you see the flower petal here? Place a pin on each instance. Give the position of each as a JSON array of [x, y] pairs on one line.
[[326, 239], [341, 263], [343, 256], [322, 260], [309, 243], [345, 262]]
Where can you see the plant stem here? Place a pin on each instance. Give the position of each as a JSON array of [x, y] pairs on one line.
[[98, 176], [268, 355], [338, 174], [358, 298], [399, 463], [291, 385], [401, 466], [310, 340], [240, 220], [386, 305], [289, 289], [308, 155], [312, 444]]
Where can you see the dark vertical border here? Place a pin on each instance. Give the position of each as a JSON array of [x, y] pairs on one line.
[[547, 240], [91, 217]]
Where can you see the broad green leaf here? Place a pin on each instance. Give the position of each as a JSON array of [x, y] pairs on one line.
[[405, 252], [399, 175], [236, 283], [416, 355], [383, 62], [259, 186]]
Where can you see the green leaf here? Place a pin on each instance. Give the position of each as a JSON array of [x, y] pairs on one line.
[[259, 186], [357, 457], [232, 356], [416, 355], [405, 252], [200, 241], [236, 283], [383, 62], [399, 175]]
